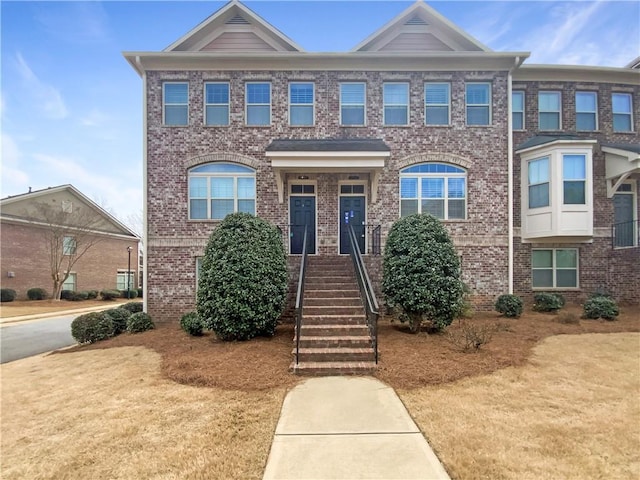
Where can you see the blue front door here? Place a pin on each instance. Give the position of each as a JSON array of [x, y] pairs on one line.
[[352, 212], [302, 212]]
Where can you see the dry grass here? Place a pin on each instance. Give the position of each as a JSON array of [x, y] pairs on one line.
[[573, 412], [18, 308], [110, 414]]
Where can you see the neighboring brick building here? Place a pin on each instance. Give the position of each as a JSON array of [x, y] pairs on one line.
[[25, 254], [418, 117]]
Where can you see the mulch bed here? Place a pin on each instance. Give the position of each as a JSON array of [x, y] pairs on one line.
[[407, 361]]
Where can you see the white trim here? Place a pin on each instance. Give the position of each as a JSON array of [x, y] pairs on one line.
[[489, 104], [630, 114], [524, 108], [554, 269], [164, 102], [246, 103], [312, 104], [205, 104], [364, 104], [366, 210], [448, 104], [594, 112], [297, 181], [407, 105], [559, 111]]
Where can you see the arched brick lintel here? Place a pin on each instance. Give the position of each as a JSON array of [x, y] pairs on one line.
[[434, 157], [227, 157]]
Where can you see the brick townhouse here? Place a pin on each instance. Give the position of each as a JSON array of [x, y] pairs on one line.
[[529, 167]]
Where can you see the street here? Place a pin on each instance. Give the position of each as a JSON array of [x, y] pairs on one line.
[[22, 340]]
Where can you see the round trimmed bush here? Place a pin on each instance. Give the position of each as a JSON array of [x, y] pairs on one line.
[[243, 281], [421, 272], [191, 323], [132, 293], [547, 302], [601, 307], [109, 294], [133, 307], [92, 294], [7, 295], [66, 294], [139, 293], [92, 327], [139, 322], [509, 305], [36, 294], [78, 296], [119, 317]]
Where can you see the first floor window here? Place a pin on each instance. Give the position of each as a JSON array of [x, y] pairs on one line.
[[69, 246], [216, 103], [436, 103], [554, 268], [218, 189], [301, 101], [121, 280], [574, 177], [517, 110], [622, 118], [434, 188], [549, 108], [71, 282], [586, 111], [352, 103], [538, 179], [175, 99], [396, 103], [258, 103]]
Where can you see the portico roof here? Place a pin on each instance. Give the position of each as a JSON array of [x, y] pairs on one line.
[[621, 160]]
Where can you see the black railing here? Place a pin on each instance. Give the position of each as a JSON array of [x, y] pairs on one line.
[[300, 294], [625, 234], [373, 232], [366, 290]]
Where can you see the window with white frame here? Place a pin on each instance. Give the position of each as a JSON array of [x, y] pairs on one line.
[[622, 107], [258, 103], [218, 189], [554, 268], [478, 103], [435, 188], [586, 111], [175, 101], [121, 280], [71, 283], [574, 177], [352, 104], [549, 110], [69, 245], [301, 104], [437, 103], [216, 103], [396, 103], [517, 109], [538, 179]]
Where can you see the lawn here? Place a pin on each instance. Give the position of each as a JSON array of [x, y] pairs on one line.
[[523, 406]]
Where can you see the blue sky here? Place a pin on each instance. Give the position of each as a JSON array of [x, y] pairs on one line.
[[71, 106]]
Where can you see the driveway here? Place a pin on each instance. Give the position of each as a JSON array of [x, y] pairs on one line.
[[25, 339]]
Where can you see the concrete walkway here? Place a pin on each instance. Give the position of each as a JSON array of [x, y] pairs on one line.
[[348, 428]]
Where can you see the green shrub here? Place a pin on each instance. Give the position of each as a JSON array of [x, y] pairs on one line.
[[92, 327], [509, 305], [133, 307], [421, 272], [139, 293], [119, 317], [243, 281], [547, 302], [132, 293], [36, 294], [601, 307], [78, 296], [92, 294], [110, 294], [139, 322], [66, 294], [191, 323], [7, 295]]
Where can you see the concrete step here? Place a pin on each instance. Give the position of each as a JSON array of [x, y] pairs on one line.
[[332, 310], [338, 354], [332, 368], [329, 278], [335, 301], [346, 285], [358, 319], [334, 292], [334, 330], [357, 341]]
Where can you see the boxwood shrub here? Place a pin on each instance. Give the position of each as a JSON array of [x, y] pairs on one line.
[[132, 294], [600, 306], [509, 305], [191, 323], [109, 294], [92, 327], [133, 307], [66, 294], [92, 294], [7, 295], [421, 272], [548, 302], [119, 317], [36, 293], [139, 322], [243, 281]]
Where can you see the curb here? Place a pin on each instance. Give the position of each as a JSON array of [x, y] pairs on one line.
[[61, 313]]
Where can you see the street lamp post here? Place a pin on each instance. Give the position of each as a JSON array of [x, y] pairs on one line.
[[129, 274]]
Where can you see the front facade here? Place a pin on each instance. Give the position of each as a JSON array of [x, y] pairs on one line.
[[28, 221], [419, 117]]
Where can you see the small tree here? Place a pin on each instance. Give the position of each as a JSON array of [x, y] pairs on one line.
[[421, 272], [243, 281]]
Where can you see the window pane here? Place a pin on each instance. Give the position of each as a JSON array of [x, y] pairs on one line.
[[395, 115], [542, 258], [456, 187], [301, 93], [301, 115], [573, 167], [258, 93], [621, 103], [408, 207], [477, 115], [176, 93], [585, 102], [409, 188], [621, 123], [217, 93], [247, 206], [586, 121], [549, 121], [456, 209], [434, 207], [539, 195], [433, 188], [437, 115], [221, 208], [222, 187], [222, 168], [217, 115], [352, 115], [574, 192], [517, 101], [518, 121], [542, 278], [436, 93], [352, 93], [477, 94], [198, 208], [258, 115], [549, 102], [396, 93], [566, 278], [539, 171], [567, 258], [175, 114], [246, 187], [198, 187]]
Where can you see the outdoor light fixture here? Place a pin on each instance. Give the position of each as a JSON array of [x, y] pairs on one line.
[[354, 177], [129, 274], [303, 177]]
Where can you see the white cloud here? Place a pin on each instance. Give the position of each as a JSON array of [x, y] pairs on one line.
[[95, 118], [46, 97], [14, 179]]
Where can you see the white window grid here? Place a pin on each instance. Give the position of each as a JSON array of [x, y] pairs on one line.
[[385, 105], [311, 104], [593, 112], [445, 198], [514, 112], [625, 114], [165, 103], [447, 104], [557, 111], [209, 176], [354, 104], [218, 104], [486, 104], [555, 269], [248, 104]]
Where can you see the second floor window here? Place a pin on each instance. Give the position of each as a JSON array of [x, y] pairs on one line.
[[436, 103], [258, 103], [216, 103], [396, 103], [586, 111], [352, 104], [175, 101], [478, 100], [517, 110], [574, 177], [549, 111], [218, 189], [622, 118], [538, 180], [301, 101], [68, 246]]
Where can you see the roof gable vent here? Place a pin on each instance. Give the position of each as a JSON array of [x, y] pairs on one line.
[[415, 20], [237, 20]]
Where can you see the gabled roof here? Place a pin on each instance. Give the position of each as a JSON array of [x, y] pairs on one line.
[[20, 208], [234, 27], [420, 28]]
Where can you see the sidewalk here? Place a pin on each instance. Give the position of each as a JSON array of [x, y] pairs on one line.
[[61, 313], [348, 428]]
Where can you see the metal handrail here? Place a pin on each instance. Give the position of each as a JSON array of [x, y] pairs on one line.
[[625, 234], [300, 293], [366, 290]]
